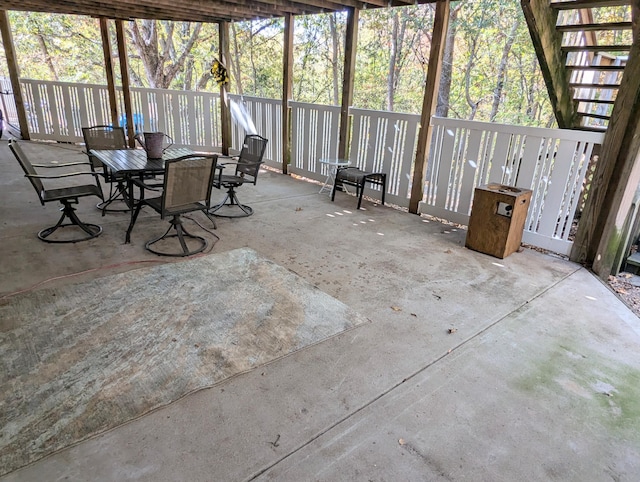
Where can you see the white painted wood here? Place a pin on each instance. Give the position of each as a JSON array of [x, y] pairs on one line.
[[465, 154], [315, 136], [551, 162]]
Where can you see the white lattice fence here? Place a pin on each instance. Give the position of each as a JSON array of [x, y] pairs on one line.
[[266, 115], [314, 137], [386, 142], [551, 162]]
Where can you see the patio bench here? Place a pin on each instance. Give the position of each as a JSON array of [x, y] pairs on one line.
[[358, 178]]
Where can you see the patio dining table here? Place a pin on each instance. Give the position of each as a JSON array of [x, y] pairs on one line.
[[133, 163]]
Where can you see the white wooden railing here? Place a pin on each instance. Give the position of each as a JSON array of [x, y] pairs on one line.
[[7, 102], [551, 162], [464, 154], [380, 142], [58, 111], [386, 142], [314, 137]]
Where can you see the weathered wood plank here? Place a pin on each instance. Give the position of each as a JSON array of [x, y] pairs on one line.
[[577, 4], [430, 101], [616, 177], [14, 73], [202, 11], [596, 48], [287, 90], [108, 68], [547, 41], [583, 27], [126, 87], [225, 109], [350, 48]]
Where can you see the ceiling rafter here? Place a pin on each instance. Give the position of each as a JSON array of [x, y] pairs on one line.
[[198, 10]]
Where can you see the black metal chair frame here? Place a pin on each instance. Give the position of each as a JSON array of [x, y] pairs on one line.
[[247, 167], [66, 195], [358, 178], [117, 182], [159, 204]]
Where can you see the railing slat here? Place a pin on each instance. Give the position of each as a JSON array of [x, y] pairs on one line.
[[464, 154]]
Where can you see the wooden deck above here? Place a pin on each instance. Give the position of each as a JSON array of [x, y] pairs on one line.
[[198, 11]]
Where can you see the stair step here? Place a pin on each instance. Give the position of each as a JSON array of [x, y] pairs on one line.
[[599, 68], [594, 86], [593, 116], [591, 128], [578, 4], [634, 259], [595, 101], [596, 48], [594, 26]]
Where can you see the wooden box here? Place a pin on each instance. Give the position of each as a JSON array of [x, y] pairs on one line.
[[497, 219]]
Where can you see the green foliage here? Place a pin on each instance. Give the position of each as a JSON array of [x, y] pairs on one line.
[[391, 61]]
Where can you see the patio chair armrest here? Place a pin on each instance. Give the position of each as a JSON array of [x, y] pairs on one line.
[[234, 158], [143, 185], [66, 164], [59, 176]]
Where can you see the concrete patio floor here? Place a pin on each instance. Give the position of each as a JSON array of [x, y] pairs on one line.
[[472, 368]]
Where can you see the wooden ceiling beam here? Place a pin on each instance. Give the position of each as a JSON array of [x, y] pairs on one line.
[[209, 11]]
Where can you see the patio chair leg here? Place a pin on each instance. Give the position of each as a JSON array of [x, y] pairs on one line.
[[127, 238], [92, 230], [119, 193], [232, 201], [180, 233], [211, 218]]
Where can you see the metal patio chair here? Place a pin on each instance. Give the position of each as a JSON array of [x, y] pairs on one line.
[[104, 138], [247, 166], [188, 181], [65, 195]]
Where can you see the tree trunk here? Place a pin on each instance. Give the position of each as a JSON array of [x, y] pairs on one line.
[[47, 56], [188, 75], [444, 95], [158, 55], [502, 68], [335, 54], [467, 81], [393, 58], [235, 63]]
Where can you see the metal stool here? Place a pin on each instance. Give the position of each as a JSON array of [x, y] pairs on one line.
[[353, 176]]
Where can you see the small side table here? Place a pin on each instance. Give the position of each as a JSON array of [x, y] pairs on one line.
[[333, 165]]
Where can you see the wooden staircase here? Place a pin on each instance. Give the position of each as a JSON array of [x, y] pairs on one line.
[[583, 48]]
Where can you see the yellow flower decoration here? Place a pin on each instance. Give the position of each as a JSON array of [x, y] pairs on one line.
[[219, 72]]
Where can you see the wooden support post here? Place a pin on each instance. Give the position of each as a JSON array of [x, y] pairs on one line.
[[616, 177], [108, 68], [124, 73], [14, 73], [430, 101], [350, 48], [287, 91], [541, 19], [225, 108]]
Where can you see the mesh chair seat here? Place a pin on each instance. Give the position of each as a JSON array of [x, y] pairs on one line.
[[66, 195], [247, 168], [188, 181], [72, 192], [106, 138]]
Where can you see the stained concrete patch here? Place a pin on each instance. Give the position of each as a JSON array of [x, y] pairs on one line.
[[80, 359]]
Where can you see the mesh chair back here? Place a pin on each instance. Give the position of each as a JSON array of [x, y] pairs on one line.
[[251, 156], [187, 180], [27, 168], [103, 138]]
